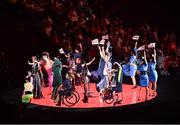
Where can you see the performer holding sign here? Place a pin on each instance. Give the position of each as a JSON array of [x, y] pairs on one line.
[[131, 68], [152, 73]]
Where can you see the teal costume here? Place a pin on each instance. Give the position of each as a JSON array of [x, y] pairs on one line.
[[57, 77]]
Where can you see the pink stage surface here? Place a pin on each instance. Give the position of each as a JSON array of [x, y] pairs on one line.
[[130, 96]]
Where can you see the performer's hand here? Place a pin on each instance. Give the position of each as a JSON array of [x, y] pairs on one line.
[[138, 72]]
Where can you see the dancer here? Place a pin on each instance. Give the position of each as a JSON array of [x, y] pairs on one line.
[[152, 73], [57, 77], [85, 79], [133, 66], [48, 67], [37, 93], [144, 80], [117, 83], [104, 83], [130, 68]]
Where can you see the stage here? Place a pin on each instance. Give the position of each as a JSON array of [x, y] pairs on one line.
[[129, 96]]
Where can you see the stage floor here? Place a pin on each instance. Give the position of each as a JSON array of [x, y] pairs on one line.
[[130, 96]]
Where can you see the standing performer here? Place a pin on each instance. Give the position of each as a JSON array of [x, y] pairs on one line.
[[152, 73], [130, 68], [144, 80], [117, 83], [48, 67], [85, 79], [133, 66], [37, 93], [57, 77], [104, 83]]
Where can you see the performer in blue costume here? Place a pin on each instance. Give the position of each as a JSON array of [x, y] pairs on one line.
[[130, 68], [144, 80], [152, 73], [104, 83]]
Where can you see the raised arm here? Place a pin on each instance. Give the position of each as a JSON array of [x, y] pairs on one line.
[[145, 57], [30, 63], [136, 45], [117, 64], [108, 45], [154, 55], [89, 63]]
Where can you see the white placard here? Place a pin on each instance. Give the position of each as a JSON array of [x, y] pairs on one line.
[[95, 42], [61, 51], [105, 37], [141, 48], [135, 37], [152, 45], [102, 42]]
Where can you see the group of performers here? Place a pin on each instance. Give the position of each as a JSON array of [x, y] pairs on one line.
[[55, 73]]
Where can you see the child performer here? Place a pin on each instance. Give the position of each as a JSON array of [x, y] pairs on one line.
[[144, 80], [28, 89], [153, 76]]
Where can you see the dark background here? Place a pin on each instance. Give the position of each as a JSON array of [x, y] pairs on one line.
[[20, 39]]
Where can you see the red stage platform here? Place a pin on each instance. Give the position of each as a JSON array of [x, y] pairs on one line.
[[130, 96]]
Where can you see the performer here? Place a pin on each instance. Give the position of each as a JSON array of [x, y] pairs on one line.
[[48, 67], [85, 79], [144, 80], [104, 83], [152, 73], [133, 66], [130, 68], [57, 77], [37, 93], [117, 83], [28, 89], [65, 89]]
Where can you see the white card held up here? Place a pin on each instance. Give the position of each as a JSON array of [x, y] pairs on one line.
[[105, 37], [95, 42], [141, 48], [102, 42], [61, 51], [152, 45], [135, 37]]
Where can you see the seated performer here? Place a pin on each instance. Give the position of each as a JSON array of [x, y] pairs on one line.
[[65, 89]]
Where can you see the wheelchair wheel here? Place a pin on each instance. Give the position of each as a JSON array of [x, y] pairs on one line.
[[109, 98], [77, 95], [70, 100]]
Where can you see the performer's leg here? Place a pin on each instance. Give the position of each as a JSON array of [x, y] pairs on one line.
[[154, 88], [147, 93], [134, 82], [150, 87], [139, 93], [85, 100]]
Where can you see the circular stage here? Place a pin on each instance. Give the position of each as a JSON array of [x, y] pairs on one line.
[[130, 96]]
